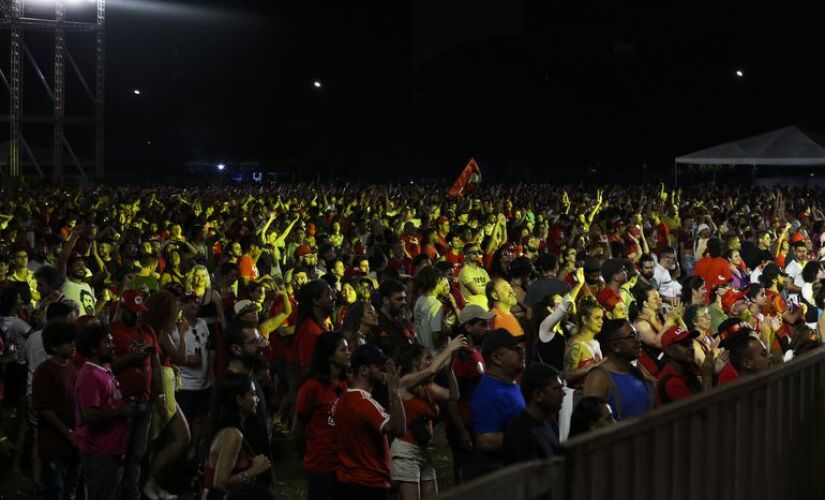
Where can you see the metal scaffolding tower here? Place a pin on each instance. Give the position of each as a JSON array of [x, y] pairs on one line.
[[25, 158]]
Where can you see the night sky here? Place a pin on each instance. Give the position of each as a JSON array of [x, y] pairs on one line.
[[416, 88]]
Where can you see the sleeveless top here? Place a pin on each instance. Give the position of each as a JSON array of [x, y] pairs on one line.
[[421, 407], [243, 463], [630, 394]]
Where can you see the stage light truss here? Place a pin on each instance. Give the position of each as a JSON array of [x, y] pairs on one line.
[[23, 159]]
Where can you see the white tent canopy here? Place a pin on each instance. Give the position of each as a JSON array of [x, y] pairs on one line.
[[787, 146]]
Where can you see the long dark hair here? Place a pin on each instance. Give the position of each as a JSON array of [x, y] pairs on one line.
[[305, 296], [325, 347], [352, 320], [162, 311], [406, 360], [229, 389]]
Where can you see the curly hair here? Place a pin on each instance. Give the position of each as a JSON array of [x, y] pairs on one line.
[[190, 276], [162, 310]]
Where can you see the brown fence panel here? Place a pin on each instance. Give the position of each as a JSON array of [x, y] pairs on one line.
[[761, 438]]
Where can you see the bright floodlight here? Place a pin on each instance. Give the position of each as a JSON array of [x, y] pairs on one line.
[[136, 91], [316, 84], [221, 166], [739, 73]]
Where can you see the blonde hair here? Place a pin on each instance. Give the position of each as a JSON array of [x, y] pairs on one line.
[[190, 276]]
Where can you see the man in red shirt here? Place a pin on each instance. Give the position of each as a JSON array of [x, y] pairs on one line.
[[714, 269], [678, 379], [615, 275], [251, 247], [361, 426], [52, 396], [315, 304], [138, 369]]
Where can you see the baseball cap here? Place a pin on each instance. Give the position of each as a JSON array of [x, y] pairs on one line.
[[473, 311], [441, 220], [731, 297], [611, 267], [133, 301], [675, 334], [732, 330], [301, 251], [244, 306], [367, 354], [498, 338]]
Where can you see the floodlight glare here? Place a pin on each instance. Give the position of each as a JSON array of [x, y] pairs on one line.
[[739, 73], [221, 166], [317, 84], [136, 91]]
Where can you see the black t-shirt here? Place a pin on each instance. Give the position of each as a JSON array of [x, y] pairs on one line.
[[750, 254], [543, 288], [526, 438], [395, 335]]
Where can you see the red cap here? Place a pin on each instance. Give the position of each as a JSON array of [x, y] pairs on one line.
[[301, 251], [797, 237], [133, 301], [675, 334], [441, 220], [730, 298]]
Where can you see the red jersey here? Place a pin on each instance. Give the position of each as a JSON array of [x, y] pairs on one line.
[[314, 408], [363, 449], [135, 381], [456, 259], [307, 334], [608, 298], [662, 237], [247, 268], [714, 270]]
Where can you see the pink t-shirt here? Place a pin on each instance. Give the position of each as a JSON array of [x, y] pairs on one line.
[[97, 387]]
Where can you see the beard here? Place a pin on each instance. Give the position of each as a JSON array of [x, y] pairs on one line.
[[251, 361]]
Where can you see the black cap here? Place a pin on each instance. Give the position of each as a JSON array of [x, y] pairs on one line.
[[611, 267], [367, 354], [498, 338]]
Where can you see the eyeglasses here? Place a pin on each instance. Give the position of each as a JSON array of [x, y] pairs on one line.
[[634, 336]]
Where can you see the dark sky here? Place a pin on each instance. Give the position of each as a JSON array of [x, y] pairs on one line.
[[416, 88]]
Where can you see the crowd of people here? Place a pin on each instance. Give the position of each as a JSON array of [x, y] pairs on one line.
[[155, 329]]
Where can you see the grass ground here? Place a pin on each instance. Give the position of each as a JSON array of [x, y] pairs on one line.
[[291, 484], [287, 465]]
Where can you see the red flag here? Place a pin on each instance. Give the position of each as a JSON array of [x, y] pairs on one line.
[[468, 180]]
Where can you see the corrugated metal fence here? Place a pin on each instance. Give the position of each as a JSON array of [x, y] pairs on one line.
[[759, 438]]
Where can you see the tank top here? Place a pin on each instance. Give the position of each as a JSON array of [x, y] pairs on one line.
[[631, 395], [420, 407]]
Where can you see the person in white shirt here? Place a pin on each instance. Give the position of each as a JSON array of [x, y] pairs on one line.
[[794, 281], [195, 372], [431, 322], [669, 288]]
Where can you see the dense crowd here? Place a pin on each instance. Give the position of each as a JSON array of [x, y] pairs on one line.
[[155, 329]]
